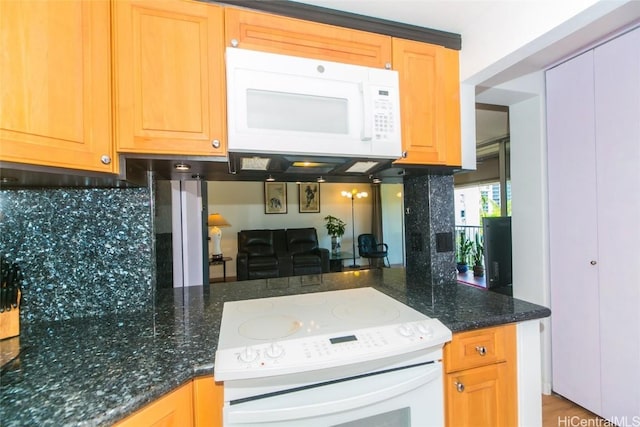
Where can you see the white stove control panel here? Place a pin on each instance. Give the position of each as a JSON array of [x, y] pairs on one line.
[[328, 350]]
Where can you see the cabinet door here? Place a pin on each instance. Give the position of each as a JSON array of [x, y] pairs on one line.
[[479, 347], [429, 103], [288, 36], [481, 397], [173, 410], [617, 111], [208, 398], [575, 297], [169, 77], [55, 84]]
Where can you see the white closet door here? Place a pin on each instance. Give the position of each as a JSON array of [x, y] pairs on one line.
[[575, 329], [617, 100]]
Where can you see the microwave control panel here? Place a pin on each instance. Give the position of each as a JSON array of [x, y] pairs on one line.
[[383, 115]]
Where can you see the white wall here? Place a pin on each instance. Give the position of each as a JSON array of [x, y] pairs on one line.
[[242, 204], [511, 39], [393, 221], [530, 229], [526, 100], [505, 32]]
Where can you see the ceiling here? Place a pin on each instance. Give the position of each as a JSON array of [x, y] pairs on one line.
[[454, 16]]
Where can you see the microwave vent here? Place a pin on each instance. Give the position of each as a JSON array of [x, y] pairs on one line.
[[255, 163], [362, 167]]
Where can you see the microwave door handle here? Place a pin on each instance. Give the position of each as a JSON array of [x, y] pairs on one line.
[[367, 113]]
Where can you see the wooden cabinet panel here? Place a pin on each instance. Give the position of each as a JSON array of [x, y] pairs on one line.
[[173, 410], [481, 380], [208, 398], [429, 103], [289, 36], [481, 397], [479, 348], [55, 84], [169, 77]]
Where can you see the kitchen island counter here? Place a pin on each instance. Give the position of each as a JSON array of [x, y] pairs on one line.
[[98, 370]]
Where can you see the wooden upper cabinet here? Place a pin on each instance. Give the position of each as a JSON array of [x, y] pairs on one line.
[[429, 103], [277, 34], [169, 77], [55, 84]]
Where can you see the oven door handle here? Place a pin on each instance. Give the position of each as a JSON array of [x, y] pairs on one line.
[[239, 416]]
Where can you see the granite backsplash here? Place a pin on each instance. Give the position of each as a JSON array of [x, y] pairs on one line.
[[429, 229], [82, 252]]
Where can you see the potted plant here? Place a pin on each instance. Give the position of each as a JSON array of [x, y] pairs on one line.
[[478, 256], [464, 250], [335, 229]]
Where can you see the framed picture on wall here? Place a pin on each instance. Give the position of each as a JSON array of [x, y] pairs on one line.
[[275, 197], [309, 197]]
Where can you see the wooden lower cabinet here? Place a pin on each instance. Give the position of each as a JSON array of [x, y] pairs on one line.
[[208, 400], [173, 409], [480, 383], [196, 403]]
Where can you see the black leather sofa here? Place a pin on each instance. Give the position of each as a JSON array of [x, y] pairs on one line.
[[266, 253]]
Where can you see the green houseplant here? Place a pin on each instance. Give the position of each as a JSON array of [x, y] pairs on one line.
[[465, 246], [335, 228], [478, 256]]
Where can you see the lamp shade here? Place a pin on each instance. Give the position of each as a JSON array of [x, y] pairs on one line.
[[217, 220]]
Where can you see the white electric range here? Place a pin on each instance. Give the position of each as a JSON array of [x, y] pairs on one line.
[[330, 358]]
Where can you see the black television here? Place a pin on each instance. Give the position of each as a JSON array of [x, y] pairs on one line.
[[497, 251]]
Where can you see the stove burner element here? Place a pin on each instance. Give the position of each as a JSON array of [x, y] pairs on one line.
[[254, 306], [272, 327], [308, 299], [365, 312]]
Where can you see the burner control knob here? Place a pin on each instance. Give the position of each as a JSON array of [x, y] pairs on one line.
[[424, 330], [275, 350], [247, 355], [405, 330]]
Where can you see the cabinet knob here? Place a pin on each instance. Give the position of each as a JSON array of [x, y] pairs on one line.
[[459, 387], [404, 154], [387, 66], [234, 42], [593, 262], [482, 350], [106, 160], [215, 143]]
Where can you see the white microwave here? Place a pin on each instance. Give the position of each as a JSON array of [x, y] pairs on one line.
[[291, 105]]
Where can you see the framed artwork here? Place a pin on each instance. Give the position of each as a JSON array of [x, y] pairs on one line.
[[275, 197], [309, 197]]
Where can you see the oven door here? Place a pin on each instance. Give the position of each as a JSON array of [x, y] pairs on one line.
[[406, 397]]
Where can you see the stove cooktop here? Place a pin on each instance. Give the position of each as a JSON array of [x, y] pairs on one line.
[[290, 334]]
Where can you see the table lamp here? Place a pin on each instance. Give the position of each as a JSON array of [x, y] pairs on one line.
[[215, 221]]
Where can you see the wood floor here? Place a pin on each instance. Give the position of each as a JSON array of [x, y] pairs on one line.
[[558, 411]]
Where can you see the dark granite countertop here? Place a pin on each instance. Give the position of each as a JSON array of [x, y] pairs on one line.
[[95, 371]]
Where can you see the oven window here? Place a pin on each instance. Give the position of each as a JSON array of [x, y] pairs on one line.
[[397, 418]]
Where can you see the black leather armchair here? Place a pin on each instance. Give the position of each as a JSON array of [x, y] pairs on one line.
[[368, 247], [257, 257], [307, 257]]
